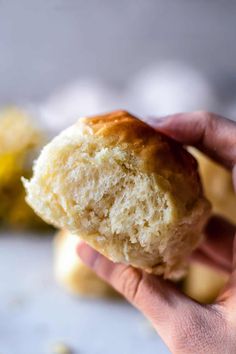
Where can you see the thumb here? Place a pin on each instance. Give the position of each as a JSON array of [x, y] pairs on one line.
[[157, 299]]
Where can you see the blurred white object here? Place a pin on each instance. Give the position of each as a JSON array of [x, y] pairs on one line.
[[157, 90], [82, 98], [170, 87]]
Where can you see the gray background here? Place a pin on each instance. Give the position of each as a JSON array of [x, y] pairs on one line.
[[45, 44]]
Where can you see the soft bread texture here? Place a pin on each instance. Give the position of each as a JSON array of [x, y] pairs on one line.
[[128, 191], [72, 274]]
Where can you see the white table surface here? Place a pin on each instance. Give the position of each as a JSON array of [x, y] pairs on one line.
[[35, 313]]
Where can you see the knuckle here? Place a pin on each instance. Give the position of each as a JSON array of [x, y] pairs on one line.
[[204, 115], [207, 119], [208, 123], [130, 280]]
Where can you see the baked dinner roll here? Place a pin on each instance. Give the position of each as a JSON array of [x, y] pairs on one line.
[[72, 274], [20, 142], [203, 283], [128, 191], [218, 186]]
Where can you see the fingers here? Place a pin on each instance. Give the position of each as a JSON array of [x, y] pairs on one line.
[[216, 250], [200, 257], [218, 243], [228, 295], [227, 298], [214, 135], [158, 299], [174, 316]]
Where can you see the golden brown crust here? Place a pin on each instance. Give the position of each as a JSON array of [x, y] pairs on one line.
[[157, 152], [122, 127]]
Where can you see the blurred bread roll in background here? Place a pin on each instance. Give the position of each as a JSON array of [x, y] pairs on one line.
[[71, 273], [20, 140], [203, 283], [128, 191], [218, 186]]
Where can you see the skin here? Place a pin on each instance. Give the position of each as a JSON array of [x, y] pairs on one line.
[[185, 325]]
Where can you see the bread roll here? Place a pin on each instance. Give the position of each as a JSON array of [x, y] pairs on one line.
[[218, 186], [202, 283], [20, 141], [71, 273], [128, 191]]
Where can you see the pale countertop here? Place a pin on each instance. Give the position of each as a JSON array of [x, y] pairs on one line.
[[36, 314]]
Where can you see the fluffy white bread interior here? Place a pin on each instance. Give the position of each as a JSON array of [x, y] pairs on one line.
[[71, 273], [128, 191]]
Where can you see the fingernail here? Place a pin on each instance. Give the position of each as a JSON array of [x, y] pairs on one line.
[[87, 254]]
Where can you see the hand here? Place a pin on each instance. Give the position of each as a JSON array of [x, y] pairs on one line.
[[185, 325]]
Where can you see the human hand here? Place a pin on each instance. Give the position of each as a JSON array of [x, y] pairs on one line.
[[185, 325]]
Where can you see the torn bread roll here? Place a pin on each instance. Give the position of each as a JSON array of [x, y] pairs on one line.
[[71, 272], [127, 190]]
